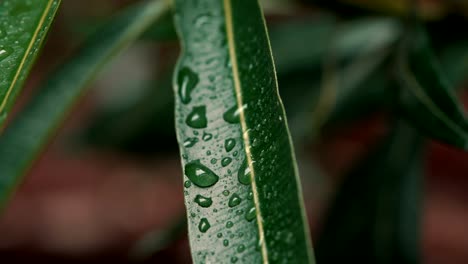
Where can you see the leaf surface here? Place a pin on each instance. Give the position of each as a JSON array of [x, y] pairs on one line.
[[23, 28], [243, 195]]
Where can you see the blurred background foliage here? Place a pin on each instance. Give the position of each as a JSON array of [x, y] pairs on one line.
[[366, 85]]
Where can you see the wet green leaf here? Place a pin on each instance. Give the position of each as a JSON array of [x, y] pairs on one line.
[[234, 111], [376, 214], [426, 97], [23, 28], [30, 132]]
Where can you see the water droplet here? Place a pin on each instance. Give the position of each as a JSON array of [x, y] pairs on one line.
[[213, 161], [197, 118], [234, 259], [203, 201], [204, 225], [187, 184], [240, 248], [229, 144], [250, 195], [187, 80], [190, 142], [226, 161], [200, 175], [229, 224], [5, 52], [244, 175], [225, 242], [226, 192], [232, 115], [251, 214], [239, 212], [235, 153], [234, 200], [207, 136], [208, 152], [219, 235]]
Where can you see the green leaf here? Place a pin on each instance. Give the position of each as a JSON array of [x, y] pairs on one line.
[[23, 28], [426, 97], [242, 195], [29, 133], [376, 214]]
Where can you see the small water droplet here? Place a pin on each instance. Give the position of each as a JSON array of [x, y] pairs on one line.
[[234, 200], [213, 161], [200, 175], [244, 175], [225, 242], [5, 52], [197, 118], [204, 225], [187, 80], [187, 184], [208, 152], [226, 161], [234, 259], [226, 192], [250, 195], [219, 235], [235, 153], [190, 142], [203, 201], [229, 144], [251, 214], [240, 248], [207, 136], [229, 224], [232, 115]]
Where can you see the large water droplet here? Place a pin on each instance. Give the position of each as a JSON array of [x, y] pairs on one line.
[[251, 214], [244, 174], [203, 201], [204, 225], [187, 80], [229, 144], [200, 175], [234, 200], [197, 118], [232, 115], [240, 248], [5, 52], [190, 142], [226, 161]]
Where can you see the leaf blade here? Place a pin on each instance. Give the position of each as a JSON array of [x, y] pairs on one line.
[[227, 48], [28, 134], [20, 44]]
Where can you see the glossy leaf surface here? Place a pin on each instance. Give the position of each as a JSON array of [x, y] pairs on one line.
[[426, 97], [29, 133], [23, 27], [242, 194]]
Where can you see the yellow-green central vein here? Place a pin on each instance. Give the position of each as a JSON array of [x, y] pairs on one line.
[[245, 132]]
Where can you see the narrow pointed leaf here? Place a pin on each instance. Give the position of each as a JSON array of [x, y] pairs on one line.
[[29, 133], [426, 97], [242, 194], [376, 214], [23, 28]]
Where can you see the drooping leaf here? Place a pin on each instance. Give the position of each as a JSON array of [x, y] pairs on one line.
[[426, 97], [29, 133], [242, 193], [376, 214], [23, 28]]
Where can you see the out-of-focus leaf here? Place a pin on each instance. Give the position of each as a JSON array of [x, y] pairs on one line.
[[23, 28], [426, 97], [375, 216], [242, 194], [30, 132], [454, 61]]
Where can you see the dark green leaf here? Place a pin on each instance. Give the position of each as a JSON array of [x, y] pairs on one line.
[[28, 134], [426, 97], [233, 137], [375, 216], [23, 28]]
